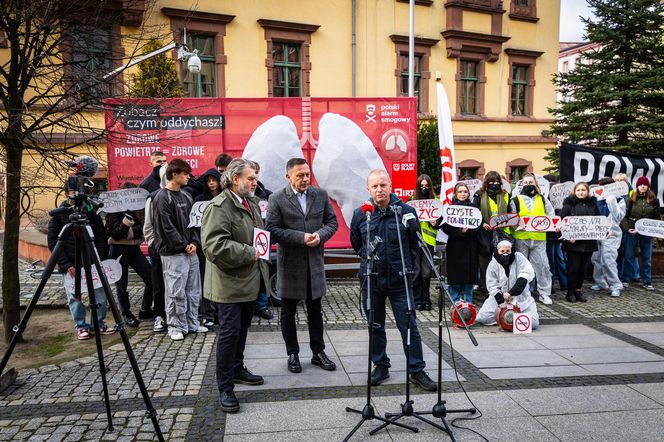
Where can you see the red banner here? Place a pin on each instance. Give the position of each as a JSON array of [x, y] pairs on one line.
[[341, 138]]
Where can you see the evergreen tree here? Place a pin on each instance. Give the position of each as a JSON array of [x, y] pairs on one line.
[[157, 77], [617, 91], [428, 150]]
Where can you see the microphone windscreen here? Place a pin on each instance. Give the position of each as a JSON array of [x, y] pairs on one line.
[[367, 207]]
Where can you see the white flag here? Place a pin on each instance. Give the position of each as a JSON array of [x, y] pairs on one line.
[[446, 140]]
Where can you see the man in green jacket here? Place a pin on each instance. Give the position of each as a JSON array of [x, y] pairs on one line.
[[234, 273]]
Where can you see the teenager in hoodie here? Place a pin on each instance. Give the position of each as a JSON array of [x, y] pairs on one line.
[[605, 259], [507, 280], [152, 182], [579, 203]]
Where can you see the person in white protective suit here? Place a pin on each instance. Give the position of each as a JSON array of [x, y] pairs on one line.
[[605, 259], [532, 245], [507, 278]]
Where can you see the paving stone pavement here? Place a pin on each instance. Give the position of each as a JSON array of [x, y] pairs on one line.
[[591, 371]]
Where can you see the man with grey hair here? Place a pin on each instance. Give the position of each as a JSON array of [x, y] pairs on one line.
[[234, 273], [389, 282]]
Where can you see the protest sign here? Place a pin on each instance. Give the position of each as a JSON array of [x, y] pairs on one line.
[[615, 189], [650, 227], [540, 223], [558, 193], [585, 227], [427, 210], [124, 199], [523, 323], [504, 220], [262, 204], [196, 214], [463, 216], [473, 185], [262, 243], [542, 182], [111, 267]]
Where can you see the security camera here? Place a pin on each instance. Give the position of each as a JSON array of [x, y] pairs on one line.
[[194, 64]]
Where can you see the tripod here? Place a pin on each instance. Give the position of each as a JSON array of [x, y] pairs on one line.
[[368, 413], [86, 254]]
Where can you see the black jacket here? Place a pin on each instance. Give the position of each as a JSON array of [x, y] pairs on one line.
[[123, 231], [67, 256], [382, 223], [572, 206], [170, 217], [462, 252], [152, 182], [205, 194]]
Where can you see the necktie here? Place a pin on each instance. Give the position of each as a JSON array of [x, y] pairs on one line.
[[246, 205]]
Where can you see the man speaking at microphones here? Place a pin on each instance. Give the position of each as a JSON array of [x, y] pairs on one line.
[[389, 281]]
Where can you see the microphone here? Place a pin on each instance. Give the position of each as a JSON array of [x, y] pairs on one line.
[[368, 209]]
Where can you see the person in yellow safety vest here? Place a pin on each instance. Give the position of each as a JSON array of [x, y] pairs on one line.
[[492, 200], [532, 245], [421, 267]]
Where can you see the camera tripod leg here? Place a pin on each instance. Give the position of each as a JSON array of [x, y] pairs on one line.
[[94, 307], [20, 327], [151, 413]]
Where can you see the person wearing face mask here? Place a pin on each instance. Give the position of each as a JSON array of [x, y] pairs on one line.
[[605, 259], [643, 203], [532, 245], [579, 203], [421, 267], [492, 200], [462, 252], [507, 279]]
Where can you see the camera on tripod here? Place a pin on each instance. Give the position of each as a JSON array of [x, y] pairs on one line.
[[80, 183]]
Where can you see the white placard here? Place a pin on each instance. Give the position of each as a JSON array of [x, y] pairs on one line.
[[504, 220], [262, 204], [615, 189], [196, 214], [585, 227], [473, 185], [111, 267], [559, 192], [124, 199], [262, 243], [650, 227], [542, 182], [540, 223], [427, 210], [523, 323], [463, 216]]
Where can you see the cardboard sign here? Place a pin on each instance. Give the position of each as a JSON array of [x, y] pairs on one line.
[[504, 220], [262, 243], [463, 216], [585, 227], [427, 210], [523, 323], [111, 267], [559, 192], [542, 182], [615, 189], [650, 227], [540, 223], [473, 185], [262, 204], [196, 214], [124, 199]]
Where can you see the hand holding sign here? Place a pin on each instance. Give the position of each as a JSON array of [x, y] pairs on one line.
[[111, 267], [427, 210], [617, 189], [262, 243], [541, 223], [585, 228], [504, 220], [650, 227], [559, 192], [463, 216], [123, 200]]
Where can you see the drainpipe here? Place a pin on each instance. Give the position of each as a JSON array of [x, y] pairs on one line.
[[354, 47]]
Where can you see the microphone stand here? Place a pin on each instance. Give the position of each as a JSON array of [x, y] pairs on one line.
[[368, 413]]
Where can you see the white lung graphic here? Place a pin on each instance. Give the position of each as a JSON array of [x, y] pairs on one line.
[[271, 145], [344, 158]]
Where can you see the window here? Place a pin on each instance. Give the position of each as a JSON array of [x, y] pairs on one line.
[[469, 80], [519, 105], [565, 66], [470, 169], [517, 168], [417, 78], [522, 3], [517, 173], [287, 71], [202, 84], [524, 10], [468, 173], [92, 58]]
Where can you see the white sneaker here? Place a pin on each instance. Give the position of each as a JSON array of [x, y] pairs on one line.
[[546, 299], [158, 324], [615, 293], [176, 335], [201, 329]]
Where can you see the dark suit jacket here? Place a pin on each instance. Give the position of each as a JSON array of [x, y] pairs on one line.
[[287, 225]]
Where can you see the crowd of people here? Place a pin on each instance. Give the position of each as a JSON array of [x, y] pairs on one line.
[[210, 275]]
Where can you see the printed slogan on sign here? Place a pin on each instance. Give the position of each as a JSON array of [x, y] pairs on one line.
[[585, 227]]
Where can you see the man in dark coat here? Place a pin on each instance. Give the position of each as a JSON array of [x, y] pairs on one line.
[[301, 219], [389, 283]]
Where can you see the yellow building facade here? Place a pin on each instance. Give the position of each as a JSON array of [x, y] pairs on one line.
[[495, 59]]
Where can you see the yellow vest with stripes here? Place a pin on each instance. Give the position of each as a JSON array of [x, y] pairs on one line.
[[538, 210], [428, 233], [493, 206]]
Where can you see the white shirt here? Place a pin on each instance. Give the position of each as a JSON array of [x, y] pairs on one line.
[[301, 198]]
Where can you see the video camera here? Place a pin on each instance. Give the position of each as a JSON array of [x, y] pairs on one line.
[[85, 168]]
